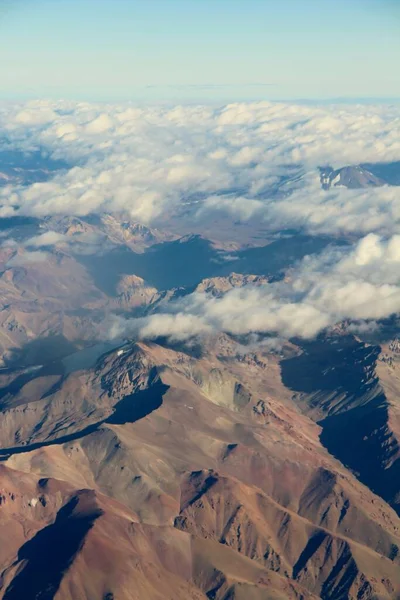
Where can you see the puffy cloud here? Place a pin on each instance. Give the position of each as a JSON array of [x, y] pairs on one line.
[[241, 208], [339, 211], [246, 159], [27, 258], [238, 312], [360, 284], [100, 124], [49, 238], [178, 327], [252, 161], [30, 116], [79, 242]]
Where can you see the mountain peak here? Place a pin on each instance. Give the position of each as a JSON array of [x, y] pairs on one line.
[[352, 177]]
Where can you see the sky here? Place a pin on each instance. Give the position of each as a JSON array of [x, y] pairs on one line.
[[200, 50]]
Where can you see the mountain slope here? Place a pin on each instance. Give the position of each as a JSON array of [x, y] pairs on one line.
[[225, 456]]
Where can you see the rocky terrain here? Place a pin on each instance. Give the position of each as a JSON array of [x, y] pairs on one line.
[[61, 276], [361, 176], [195, 476], [221, 467]]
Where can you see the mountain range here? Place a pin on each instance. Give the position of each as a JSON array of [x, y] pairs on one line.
[[216, 467], [361, 176]]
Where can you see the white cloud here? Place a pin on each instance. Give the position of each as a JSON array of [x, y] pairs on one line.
[[100, 124], [49, 238], [148, 161], [40, 116], [27, 258], [151, 161], [240, 207], [360, 284]]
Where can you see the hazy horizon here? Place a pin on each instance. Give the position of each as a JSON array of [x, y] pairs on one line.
[[171, 50]]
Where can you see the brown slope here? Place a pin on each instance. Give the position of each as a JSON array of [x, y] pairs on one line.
[[43, 298], [228, 575], [225, 510], [351, 389], [62, 400], [67, 544], [262, 441], [88, 534]]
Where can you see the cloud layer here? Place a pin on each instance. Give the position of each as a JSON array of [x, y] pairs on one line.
[[150, 162], [251, 161], [360, 284]]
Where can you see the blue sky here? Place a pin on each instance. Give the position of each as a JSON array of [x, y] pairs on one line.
[[199, 49]]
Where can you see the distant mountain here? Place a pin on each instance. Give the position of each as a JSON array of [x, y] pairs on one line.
[[361, 176], [389, 172], [61, 275], [350, 177], [20, 168]]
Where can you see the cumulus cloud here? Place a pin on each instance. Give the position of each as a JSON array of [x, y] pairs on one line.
[[49, 238], [252, 161], [245, 159], [360, 284], [237, 312], [27, 258], [85, 242]]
